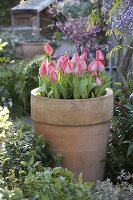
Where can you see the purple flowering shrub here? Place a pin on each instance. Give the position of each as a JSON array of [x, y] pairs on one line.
[[79, 31], [75, 25]]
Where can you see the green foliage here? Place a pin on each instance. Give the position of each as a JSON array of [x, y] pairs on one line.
[[56, 184], [116, 5], [16, 83], [72, 87], [11, 40], [106, 190], [95, 18], [21, 149], [2, 44], [5, 7], [120, 153], [75, 8], [4, 122], [5, 194], [114, 50]]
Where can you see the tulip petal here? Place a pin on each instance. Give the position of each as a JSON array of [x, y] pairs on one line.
[[99, 55], [75, 59], [48, 49]]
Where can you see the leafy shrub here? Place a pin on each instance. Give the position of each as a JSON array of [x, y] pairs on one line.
[[4, 122], [75, 8], [12, 41], [21, 148], [5, 7], [16, 83], [56, 184], [5, 194], [120, 153], [107, 191]]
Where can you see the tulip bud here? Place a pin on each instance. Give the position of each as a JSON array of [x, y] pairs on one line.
[[100, 66], [99, 55], [83, 56], [75, 59], [67, 67], [92, 67], [53, 76], [83, 65], [43, 68], [78, 69], [99, 81], [48, 49], [51, 67]]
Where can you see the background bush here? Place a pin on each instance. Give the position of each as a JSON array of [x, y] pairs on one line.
[[16, 82], [5, 7], [120, 152]]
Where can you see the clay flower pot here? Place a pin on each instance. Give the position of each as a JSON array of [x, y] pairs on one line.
[[76, 128], [31, 49]]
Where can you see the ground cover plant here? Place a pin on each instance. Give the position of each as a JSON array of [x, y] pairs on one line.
[[20, 148]]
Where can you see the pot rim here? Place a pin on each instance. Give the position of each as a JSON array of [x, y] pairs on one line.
[[109, 92]]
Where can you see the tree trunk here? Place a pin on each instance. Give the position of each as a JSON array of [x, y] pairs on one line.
[[127, 60], [121, 75]]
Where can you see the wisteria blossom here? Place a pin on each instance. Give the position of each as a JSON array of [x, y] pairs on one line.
[[123, 18]]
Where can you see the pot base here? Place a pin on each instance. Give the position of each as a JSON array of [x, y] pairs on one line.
[[83, 147]]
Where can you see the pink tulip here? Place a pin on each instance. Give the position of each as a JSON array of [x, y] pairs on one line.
[[61, 61], [75, 59], [59, 65], [83, 65], [43, 69], [83, 56], [67, 67], [50, 68], [48, 49], [100, 65], [99, 81], [96, 66], [53, 76], [92, 67], [78, 69], [51, 64], [99, 55]]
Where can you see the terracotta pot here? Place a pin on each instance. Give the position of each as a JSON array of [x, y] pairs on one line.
[[31, 49], [78, 129]]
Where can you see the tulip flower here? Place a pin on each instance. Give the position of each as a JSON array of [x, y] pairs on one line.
[[43, 68], [83, 56], [48, 49], [61, 62], [50, 68], [96, 66], [67, 67], [92, 67], [100, 65], [83, 65], [99, 81], [53, 76], [78, 69], [75, 59], [99, 55]]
